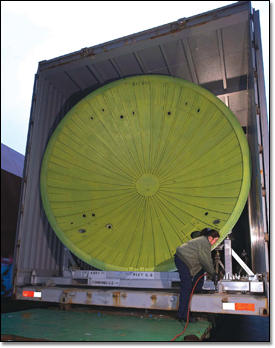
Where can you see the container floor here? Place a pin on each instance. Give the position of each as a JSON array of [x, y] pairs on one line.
[[58, 325]]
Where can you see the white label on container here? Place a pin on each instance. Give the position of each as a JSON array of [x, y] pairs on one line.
[[86, 274], [105, 282], [140, 275], [228, 306], [36, 294]]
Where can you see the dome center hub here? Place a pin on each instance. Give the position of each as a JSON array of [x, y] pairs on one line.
[[147, 185]]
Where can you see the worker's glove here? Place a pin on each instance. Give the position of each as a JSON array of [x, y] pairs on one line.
[[215, 278]]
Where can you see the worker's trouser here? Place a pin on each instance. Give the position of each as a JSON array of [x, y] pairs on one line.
[[186, 284]]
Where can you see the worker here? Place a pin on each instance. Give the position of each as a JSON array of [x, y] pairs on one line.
[[192, 259]]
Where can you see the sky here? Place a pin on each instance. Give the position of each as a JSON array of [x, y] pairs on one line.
[[32, 31]]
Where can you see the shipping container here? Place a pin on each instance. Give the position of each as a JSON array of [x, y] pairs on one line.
[[221, 52]]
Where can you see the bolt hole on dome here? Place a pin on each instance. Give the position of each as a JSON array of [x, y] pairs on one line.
[[206, 214], [109, 226], [81, 230], [169, 113], [121, 116], [84, 215], [198, 110]]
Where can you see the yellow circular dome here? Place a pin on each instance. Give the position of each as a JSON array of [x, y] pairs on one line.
[[137, 166]]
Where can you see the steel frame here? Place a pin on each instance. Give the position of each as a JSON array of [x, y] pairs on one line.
[[153, 290], [150, 280], [154, 299]]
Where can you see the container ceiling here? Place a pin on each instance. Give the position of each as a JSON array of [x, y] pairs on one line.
[[210, 50]]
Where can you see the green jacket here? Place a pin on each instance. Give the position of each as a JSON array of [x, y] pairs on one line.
[[196, 254]]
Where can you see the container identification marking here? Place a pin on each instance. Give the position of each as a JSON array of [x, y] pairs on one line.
[[105, 282], [140, 275], [86, 274]]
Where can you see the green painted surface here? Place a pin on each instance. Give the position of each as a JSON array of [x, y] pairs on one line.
[[138, 165], [55, 325]]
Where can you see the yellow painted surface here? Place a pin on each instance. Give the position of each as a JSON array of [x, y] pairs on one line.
[[137, 166]]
